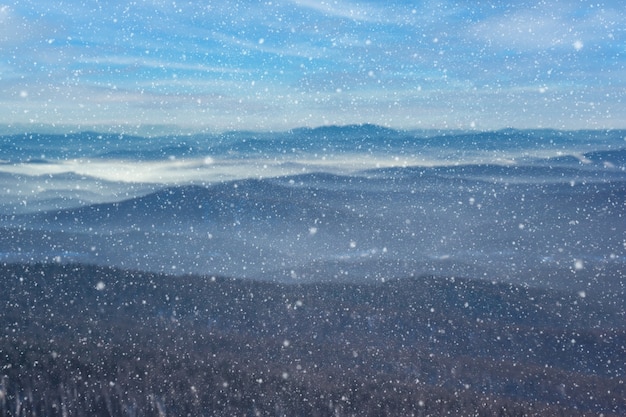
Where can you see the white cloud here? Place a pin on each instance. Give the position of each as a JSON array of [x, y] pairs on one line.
[[426, 13], [157, 64], [524, 30], [346, 10], [280, 47], [12, 29], [552, 25]]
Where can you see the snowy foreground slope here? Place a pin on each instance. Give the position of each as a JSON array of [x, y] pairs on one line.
[[81, 340]]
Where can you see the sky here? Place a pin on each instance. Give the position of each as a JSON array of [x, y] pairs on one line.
[[193, 66]]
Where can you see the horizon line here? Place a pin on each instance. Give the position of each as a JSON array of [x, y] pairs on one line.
[[156, 130]]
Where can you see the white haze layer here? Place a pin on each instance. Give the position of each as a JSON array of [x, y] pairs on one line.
[[57, 182], [175, 171]]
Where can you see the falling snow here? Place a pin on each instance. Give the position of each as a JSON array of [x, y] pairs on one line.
[[312, 208]]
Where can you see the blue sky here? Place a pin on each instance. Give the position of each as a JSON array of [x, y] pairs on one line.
[[273, 65]]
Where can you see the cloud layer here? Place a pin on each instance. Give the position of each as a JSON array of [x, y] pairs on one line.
[[280, 64]]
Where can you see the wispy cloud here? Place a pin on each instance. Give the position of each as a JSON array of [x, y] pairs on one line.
[[274, 45], [550, 26], [139, 62], [16, 30], [255, 65], [11, 27], [344, 9]]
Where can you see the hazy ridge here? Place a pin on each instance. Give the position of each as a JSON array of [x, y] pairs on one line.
[[332, 271], [332, 203]]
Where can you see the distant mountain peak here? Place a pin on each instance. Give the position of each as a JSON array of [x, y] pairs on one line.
[[366, 129]]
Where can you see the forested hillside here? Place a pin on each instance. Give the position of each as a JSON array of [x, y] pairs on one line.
[[92, 341]]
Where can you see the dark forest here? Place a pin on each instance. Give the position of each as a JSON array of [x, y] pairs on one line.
[[81, 340]]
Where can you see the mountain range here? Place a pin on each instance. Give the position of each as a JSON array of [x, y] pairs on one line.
[[333, 271]]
